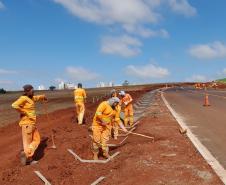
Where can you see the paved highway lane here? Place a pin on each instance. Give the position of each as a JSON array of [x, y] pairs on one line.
[[207, 123]]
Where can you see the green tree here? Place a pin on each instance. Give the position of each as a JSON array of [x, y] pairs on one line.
[[2, 91], [125, 83], [51, 88]]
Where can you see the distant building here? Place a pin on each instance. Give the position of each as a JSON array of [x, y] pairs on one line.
[[105, 84], [101, 84], [41, 87], [111, 84], [70, 86], [62, 85]]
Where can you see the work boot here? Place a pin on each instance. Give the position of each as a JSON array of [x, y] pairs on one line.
[[131, 121], [23, 158], [32, 162], [95, 156], [126, 122], [106, 155]]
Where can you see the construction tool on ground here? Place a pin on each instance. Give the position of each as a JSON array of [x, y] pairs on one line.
[[142, 135], [52, 138], [48, 120]]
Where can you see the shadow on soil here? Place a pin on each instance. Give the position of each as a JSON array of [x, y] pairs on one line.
[[39, 153]]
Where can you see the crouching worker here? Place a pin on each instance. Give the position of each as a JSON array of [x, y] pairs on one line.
[[25, 105], [116, 122], [102, 125]]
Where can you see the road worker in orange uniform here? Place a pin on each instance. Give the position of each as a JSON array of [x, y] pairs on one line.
[[80, 99], [126, 99], [117, 122], [25, 105], [102, 124]]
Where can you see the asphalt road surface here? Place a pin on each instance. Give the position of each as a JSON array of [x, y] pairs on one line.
[[207, 123]]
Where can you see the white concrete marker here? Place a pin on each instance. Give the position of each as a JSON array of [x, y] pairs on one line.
[[211, 160], [42, 177], [98, 180], [92, 161]]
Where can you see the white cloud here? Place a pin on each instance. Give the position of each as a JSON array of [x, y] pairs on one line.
[[125, 45], [128, 16], [147, 71], [145, 32], [209, 51], [112, 11], [182, 7], [221, 74], [6, 82], [123, 12], [2, 6], [197, 78], [81, 74], [224, 71], [7, 72], [131, 15]]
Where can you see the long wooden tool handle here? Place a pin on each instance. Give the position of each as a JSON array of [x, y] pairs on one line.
[[142, 135], [46, 111], [52, 136]]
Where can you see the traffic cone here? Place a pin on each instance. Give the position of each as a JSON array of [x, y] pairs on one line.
[[206, 100]]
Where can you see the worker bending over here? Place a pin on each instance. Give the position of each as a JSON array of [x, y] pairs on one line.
[[80, 99], [117, 122], [102, 124], [126, 102], [25, 105]]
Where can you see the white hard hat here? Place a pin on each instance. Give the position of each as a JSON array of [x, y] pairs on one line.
[[122, 93]]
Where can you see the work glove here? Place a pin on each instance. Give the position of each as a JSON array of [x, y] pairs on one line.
[[125, 130], [103, 123]]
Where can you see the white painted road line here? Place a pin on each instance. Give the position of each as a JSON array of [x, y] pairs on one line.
[[211, 160]]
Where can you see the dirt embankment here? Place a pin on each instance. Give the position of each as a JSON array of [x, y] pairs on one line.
[[171, 159]]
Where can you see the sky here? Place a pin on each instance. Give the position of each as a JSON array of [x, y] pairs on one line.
[[89, 41]]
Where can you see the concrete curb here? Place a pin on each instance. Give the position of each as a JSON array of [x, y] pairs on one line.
[[210, 159]]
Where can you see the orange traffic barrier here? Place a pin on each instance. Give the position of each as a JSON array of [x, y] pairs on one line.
[[206, 100]]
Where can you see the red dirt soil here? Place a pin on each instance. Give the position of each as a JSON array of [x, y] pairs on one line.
[[171, 159]]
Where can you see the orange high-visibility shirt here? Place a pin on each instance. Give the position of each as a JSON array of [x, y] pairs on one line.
[[104, 113], [26, 107], [79, 95], [127, 99]]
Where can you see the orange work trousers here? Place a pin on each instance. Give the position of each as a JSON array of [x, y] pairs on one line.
[[128, 113], [101, 135], [115, 129], [80, 110], [31, 139]]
